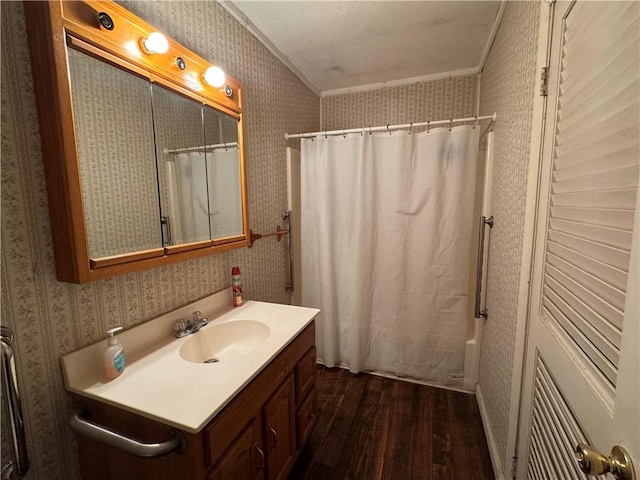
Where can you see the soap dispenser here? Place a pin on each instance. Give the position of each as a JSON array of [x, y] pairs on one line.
[[113, 355]]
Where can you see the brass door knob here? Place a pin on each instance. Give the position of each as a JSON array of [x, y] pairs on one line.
[[592, 462]]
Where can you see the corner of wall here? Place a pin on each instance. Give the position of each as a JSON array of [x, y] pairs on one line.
[[508, 87]]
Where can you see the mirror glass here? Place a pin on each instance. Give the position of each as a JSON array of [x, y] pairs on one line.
[[115, 145], [182, 167], [223, 168]]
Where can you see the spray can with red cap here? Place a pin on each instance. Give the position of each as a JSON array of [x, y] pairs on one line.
[[236, 286]]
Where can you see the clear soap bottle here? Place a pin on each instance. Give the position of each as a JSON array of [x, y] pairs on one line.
[[113, 355]]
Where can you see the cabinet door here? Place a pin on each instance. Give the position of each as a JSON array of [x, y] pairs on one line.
[[280, 442], [245, 459]]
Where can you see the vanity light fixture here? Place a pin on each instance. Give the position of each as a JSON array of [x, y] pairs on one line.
[[214, 76], [154, 43]]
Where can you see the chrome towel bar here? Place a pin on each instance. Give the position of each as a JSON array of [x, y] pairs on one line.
[[484, 221], [177, 442], [20, 463], [289, 286]]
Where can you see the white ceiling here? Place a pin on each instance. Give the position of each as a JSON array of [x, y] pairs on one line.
[[336, 45]]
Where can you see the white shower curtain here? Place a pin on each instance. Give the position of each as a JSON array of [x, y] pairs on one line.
[[188, 202], [225, 196], [386, 226]]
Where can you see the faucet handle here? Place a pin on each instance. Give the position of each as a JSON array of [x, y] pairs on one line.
[[197, 317], [180, 325]]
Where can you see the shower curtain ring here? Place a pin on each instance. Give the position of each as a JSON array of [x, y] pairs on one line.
[[388, 129], [362, 132], [428, 126], [410, 127], [343, 134], [475, 124], [325, 135], [450, 124]]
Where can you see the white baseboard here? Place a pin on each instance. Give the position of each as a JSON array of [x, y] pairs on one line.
[[488, 433]]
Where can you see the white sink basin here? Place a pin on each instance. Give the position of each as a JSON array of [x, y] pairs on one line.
[[225, 341]]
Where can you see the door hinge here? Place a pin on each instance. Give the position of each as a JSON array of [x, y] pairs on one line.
[[544, 81]]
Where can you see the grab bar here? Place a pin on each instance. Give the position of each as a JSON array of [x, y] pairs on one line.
[[10, 384], [177, 442], [289, 286], [483, 222]]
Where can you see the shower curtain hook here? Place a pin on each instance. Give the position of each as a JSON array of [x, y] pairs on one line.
[[362, 132], [388, 129], [410, 127], [450, 124], [370, 132], [325, 135], [428, 126], [343, 134]]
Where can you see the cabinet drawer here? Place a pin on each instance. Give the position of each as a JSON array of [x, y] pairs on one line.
[[305, 418], [305, 374]]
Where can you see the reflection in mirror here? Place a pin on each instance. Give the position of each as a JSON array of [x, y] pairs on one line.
[[114, 133], [182, 167], [223, 164]]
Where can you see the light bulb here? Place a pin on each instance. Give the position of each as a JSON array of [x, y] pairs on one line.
[[214, 76], [155, 43]]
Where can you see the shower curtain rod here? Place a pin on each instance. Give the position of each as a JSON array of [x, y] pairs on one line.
[[388, 128], [202, 148]]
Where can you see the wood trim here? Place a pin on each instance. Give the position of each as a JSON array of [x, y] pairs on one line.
[[231, 113], [48, 24], [123, 41], [185, 247], [126, 258], [243, 176], [145, 264], [47, 51], [225, 240], [99, 54]]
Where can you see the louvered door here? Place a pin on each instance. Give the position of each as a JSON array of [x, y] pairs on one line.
[[582, 369]]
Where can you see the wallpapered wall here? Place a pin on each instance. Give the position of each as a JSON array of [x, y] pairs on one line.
[[452, 97], [53, 318], [507, 86]]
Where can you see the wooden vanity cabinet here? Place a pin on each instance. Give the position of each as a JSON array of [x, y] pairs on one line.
[[257, 436], [279, 419], [245, 458]]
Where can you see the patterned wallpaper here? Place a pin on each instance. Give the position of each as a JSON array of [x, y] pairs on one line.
[[53, 318], [507, 86], [452, 97]]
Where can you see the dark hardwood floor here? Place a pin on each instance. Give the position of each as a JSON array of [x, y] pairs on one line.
[[372, 428]]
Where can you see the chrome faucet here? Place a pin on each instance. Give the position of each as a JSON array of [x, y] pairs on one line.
[[184, 327]]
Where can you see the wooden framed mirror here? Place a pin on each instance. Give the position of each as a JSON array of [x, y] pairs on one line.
[[142, 146]]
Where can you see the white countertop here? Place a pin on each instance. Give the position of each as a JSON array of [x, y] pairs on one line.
[[159, 384]]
